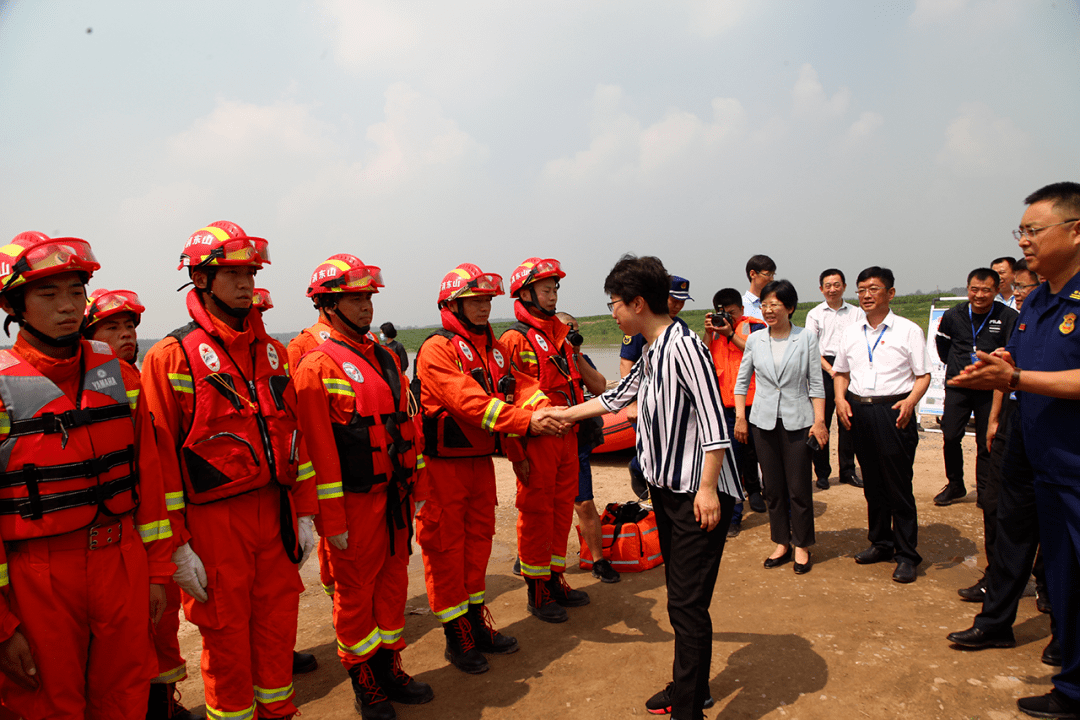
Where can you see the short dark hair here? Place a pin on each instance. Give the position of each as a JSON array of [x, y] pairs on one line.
[[784, 292], [1021, 264], [1065, 197], [388, 330], [883, 274], [984, 274], [759, 264], [831, 271], [1004, 259], [643, 277], [727, 296]]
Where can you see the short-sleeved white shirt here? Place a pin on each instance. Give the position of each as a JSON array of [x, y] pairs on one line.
[[899, 356], [829, 324], [752, 305]]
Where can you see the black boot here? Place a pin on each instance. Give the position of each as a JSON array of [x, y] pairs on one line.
[[371, 702], [303, 663], [541, 604], [163, 704], [398, 684], [488, 639], [563, 594], [461, 646]]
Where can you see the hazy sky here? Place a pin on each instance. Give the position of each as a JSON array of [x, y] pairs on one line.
[[418, 135]]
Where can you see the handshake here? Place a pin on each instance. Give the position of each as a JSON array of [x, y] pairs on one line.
[[550, 421]]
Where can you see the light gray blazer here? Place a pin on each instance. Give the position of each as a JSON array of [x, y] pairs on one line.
[[785, 394]]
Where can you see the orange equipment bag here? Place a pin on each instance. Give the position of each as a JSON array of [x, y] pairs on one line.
[[629, 538]]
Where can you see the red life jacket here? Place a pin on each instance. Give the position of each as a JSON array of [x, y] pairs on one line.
[[376, 445], [557, 372], [443, 435], [65, 465], [239, 423]]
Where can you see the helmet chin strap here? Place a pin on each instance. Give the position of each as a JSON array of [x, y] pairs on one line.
[[362, 331], [238, 313], [69, 340], [531, 304], [460, 315]]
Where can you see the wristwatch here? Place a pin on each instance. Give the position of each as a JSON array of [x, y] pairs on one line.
[[1014, 381]]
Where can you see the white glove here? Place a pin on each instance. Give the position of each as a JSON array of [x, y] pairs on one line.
[[341, 542], [306, 528], [190, 572]]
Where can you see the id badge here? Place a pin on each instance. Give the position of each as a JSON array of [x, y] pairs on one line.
[[974, 358], [869, 379]]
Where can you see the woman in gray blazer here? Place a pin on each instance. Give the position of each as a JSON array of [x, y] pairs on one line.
[[788, 413]]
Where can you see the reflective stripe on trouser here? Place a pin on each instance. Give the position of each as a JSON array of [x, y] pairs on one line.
[[454, 529], [372, 585], [170, 663], [86, 615], [326, 575], [248, 623], [546, 505]]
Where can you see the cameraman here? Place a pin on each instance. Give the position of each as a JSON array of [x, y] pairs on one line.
[[726, 330]]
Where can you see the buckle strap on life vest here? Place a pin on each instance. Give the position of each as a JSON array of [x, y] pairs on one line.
[[32, 474], [62, 422], [35, 506]]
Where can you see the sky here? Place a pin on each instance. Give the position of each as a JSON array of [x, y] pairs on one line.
[[420, 135]]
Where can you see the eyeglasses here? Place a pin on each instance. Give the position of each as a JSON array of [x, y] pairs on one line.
[[773, 307], [872, 290], [1031, 232], [1032, 286], [767, 273], [611, 305]]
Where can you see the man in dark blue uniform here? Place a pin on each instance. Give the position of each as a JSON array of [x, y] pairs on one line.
[[1042, 360]]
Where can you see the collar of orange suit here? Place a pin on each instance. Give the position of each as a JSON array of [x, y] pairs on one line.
[[552, 327]]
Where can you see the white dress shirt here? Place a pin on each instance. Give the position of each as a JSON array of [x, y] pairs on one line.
[[751, 305], [899, 356], [1009, 302], [829, 324]]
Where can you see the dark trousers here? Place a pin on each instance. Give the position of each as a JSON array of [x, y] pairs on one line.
[[745, 461], [1059, 531], [845, 448], [887, 456], [785, 473], [691, 563], [989, 494], [960, 403], [1017, 535]]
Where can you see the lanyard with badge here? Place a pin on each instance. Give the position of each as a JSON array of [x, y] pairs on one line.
[[870, 378], [975, 333]]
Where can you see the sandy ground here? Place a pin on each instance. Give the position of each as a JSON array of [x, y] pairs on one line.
[[842, 641]]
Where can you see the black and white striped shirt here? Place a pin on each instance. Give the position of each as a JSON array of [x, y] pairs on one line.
[[679, 415]]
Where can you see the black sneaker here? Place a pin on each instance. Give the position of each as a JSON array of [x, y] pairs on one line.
[[757, 503], [602, 569], [948, 495], [660, 703], [734, 529], [823, 483]]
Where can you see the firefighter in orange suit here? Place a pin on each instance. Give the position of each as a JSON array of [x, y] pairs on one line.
[[220, 392], [309, 339], [86, 538], [113, 317], [547, 478], [354, 406], [468, 393]]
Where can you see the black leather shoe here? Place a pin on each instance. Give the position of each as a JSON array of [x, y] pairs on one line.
[[948, 495], [1052, 654], [904, 572], [1051, 705], [1042, 599], [853, 480], [978, 638], [873, 554], [757, 503], [823, 483], [975, 593], [303, 663], [803, 568], [771, 563]]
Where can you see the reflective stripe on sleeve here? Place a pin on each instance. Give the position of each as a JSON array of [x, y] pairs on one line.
[[329, 491], [174, 501], [536, 397], [337, 386], [5, 423], [133, 398], [491, 414], [527, 356], [157, 530], [182, 383], [3, 575], [306, 471], [420, 463]]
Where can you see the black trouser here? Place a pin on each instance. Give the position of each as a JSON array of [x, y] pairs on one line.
[[785, 473], [887, 456], [960, 403], [845, 449], [989, 494], [691, 563]]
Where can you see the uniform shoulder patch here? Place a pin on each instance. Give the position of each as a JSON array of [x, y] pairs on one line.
[[1068, 323], [626, 339]]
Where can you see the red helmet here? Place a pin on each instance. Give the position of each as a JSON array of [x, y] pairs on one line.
[[106, 303], [532, 270], [344, 273], [260, 300], [223, 243], [468, 280], [33, 255]]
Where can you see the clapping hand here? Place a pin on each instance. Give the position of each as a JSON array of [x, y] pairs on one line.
[[993, 371]]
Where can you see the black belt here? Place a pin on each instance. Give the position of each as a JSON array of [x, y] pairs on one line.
[[875, 400]]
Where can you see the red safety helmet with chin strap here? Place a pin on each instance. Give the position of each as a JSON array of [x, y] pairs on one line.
[[344, 273], [468, 280], [532, 270], [223, 243], [33, 255], [104, 303]]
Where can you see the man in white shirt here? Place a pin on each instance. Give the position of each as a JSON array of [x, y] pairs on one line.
[[881, 373], [760, 271], [828, 321], [1005, 267]]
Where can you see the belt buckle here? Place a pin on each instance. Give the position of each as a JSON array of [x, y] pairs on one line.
[[105, 535]]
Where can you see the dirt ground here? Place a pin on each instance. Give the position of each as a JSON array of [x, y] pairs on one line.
[[842, 641]]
